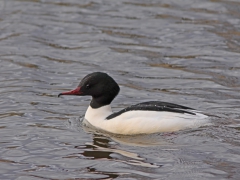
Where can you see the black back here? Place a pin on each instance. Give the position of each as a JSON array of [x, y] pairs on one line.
[[154, 106]]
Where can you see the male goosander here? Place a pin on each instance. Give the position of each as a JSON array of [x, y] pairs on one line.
[[143, 118]]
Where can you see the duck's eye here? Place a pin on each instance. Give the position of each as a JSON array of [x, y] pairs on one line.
[[87, 86]]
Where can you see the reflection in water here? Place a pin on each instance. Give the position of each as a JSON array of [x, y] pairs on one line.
[[102, 148]]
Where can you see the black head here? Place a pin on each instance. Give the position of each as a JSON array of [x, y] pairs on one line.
[[100, 86]]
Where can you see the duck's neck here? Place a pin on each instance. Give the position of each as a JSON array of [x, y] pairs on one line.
[[98, 102], [109, 93], [97, 114]]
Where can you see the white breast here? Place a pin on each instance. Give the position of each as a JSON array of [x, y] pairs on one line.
[[143, 122]]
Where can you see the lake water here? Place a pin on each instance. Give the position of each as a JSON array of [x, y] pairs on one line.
[[180, 51]]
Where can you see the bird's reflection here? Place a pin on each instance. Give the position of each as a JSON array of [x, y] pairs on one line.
[[112, 147], [101, 141], [98, 149]]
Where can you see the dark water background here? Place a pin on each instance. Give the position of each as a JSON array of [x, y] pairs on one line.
[[180, 51]]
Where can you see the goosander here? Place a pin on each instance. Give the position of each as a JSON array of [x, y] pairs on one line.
[[143, 118]]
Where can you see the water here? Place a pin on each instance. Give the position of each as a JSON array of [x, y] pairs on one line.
[[185, 52]]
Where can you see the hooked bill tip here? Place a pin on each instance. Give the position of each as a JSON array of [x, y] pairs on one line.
[[59, 94]]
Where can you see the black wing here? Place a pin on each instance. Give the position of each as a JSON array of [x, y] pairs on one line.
[[154, 106]]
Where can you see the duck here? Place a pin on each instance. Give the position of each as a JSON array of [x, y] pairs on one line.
[[142, 118]]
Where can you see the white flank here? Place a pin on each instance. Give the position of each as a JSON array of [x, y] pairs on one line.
[[143, 122]]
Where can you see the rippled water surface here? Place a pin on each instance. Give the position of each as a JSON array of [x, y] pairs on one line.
[[185, 52]]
